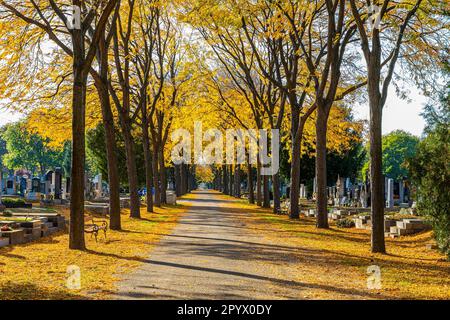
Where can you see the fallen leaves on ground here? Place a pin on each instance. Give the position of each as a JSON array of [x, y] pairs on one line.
[[38, 270], [334, 262]]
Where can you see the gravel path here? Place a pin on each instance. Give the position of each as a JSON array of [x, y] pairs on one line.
[[212, 255]]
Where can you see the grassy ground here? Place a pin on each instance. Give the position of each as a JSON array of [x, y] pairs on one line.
[[38, 270], [340, 258]]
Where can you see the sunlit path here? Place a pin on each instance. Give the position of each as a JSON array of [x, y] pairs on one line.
[[212, 255]]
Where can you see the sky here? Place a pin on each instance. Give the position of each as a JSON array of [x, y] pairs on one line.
[[6, 117], [397, 114]]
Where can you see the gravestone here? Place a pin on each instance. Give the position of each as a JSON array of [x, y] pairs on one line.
[[64, 189], [390, 194], [57, 183], [98, 186], [29, 185], [48, 189], [311, 213], [302, 191], [16, 236], [171, 197], [348, 184], [23, 185], [4, 242], [10, 185]]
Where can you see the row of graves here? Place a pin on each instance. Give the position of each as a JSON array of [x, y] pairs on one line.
[[18, 226], [346, 194], [51, 186], [24, 224], [350, 207], [21, 222], [97, 200]]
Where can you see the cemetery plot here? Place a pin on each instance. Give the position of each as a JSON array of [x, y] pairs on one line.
[[393, 227], [15, 228]]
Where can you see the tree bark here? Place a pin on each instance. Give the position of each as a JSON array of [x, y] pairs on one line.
[[225, 179], [230, 179], [182, 179], [163, 177], [266, 194], [376, 181], [191, 177], [237, 181], [258, 183], [148, 165], [110, 138], [276, 192], [251, 194], [294, 192], [178, 180], [321, 167], [135, 210], [156, 175], [76, 234]]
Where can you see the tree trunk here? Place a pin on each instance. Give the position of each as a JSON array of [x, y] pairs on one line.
[[266, 194], [225, 179], [230, 179], [156, 184], [321, 167], [113, 171], [110, 139], [194, 178], [76, 237], [148, 165], [294, 192], [251, 194], [237, 181], [276, 192], [258, 183], [163, 177], [184, 183], [191, 177], [178, 180], [218, 179], [132, 174], [376, 181]]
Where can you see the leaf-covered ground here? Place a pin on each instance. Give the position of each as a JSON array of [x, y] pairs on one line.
[[340, 258], [38, 270]]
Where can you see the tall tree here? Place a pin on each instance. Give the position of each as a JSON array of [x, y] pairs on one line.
[[121, 94], [371, 44], [27, 150], [42, 17]]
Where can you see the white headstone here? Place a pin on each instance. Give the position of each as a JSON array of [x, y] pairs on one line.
[[390, 194], [302, 191]]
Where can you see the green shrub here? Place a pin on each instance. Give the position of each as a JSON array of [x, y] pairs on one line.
[[345, 223], [13, 201], [430, 173], [7, 213]]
